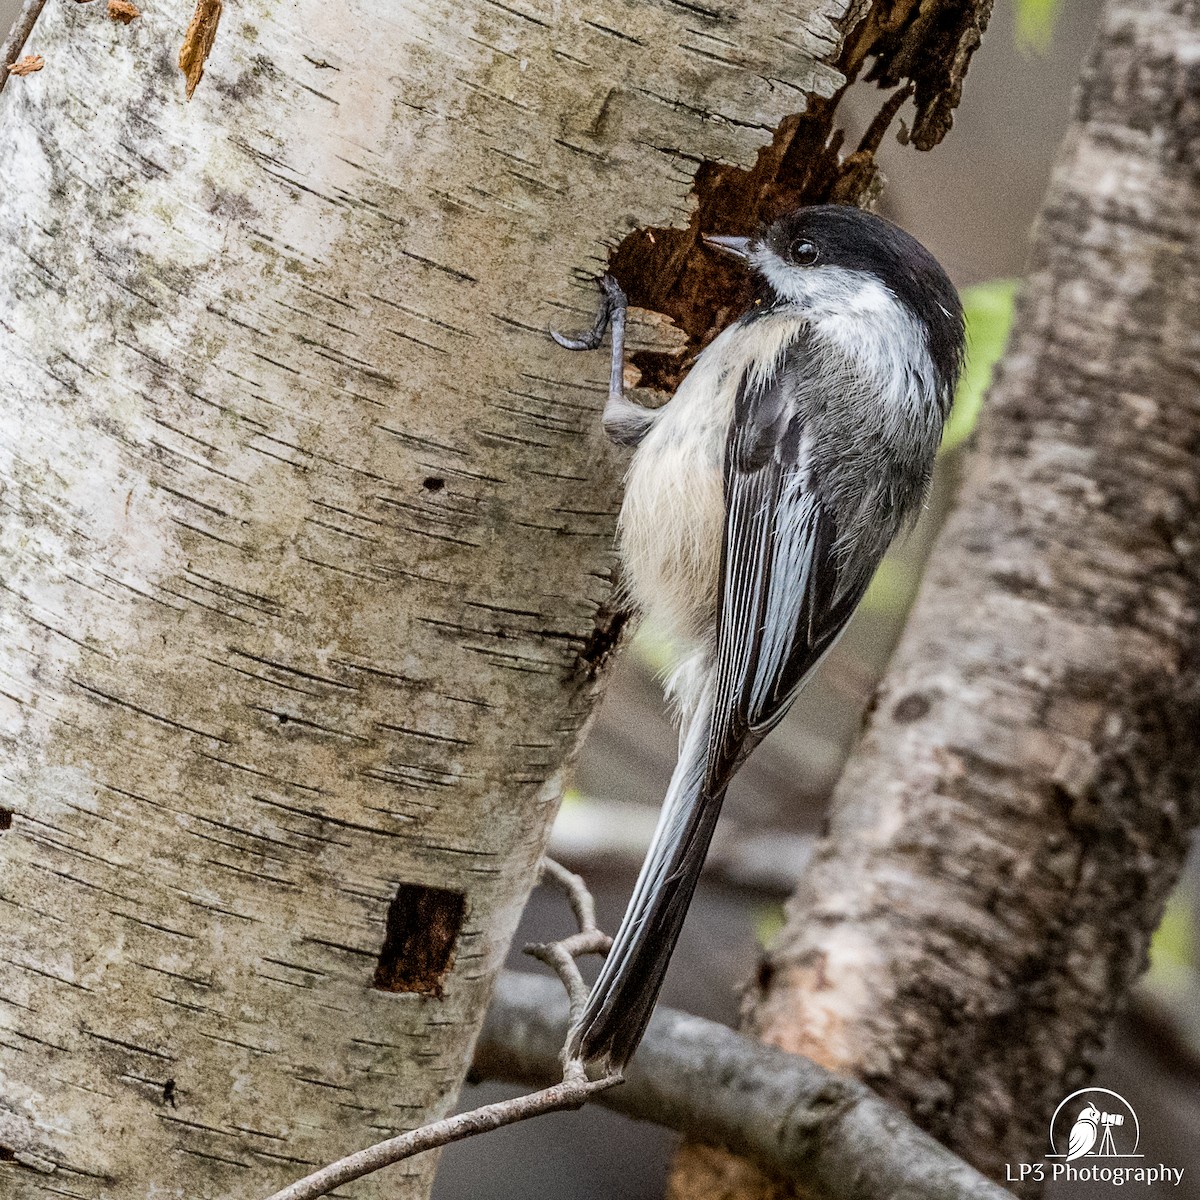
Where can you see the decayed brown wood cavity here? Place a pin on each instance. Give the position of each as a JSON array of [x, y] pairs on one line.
[[423, 924], [922, 51]]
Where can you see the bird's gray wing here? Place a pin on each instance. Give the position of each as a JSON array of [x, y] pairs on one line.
[[781, 601], [781, 605]]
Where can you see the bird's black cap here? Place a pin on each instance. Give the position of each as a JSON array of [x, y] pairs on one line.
[[858, 240]]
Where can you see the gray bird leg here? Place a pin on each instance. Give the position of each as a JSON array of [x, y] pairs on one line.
[[625, 423]]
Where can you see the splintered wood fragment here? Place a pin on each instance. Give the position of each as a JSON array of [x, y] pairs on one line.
[[123, 11], [198, 41], [27, 65]]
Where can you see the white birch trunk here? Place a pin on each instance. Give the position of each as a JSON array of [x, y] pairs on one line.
[[306, 542]]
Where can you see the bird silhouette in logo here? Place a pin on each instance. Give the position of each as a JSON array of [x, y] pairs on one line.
[[1083, 1133]]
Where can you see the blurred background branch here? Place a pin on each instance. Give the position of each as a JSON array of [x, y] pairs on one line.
[[820, 1131]]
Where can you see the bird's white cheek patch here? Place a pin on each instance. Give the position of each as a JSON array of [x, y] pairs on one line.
[[792, 283], [827, 293]]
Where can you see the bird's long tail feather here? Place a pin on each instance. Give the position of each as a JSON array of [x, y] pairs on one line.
[[622, 999]]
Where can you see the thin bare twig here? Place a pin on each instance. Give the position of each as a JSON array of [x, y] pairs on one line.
[[563, 1095], [560, 956], [572, 1091], [578, 896]]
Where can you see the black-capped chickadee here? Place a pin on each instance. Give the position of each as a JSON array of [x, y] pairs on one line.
[[758, 504]]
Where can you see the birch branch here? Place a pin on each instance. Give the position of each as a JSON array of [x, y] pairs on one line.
[[832, 1135]]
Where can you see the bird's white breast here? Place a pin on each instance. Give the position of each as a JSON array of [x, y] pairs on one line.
[[672, 521]]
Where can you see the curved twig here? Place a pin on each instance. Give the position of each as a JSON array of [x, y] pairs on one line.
[[565, 1095]]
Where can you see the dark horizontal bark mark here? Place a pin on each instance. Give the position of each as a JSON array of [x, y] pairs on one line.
[[423, 924]]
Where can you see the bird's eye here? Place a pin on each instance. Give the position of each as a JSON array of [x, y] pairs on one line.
[[804, 253]]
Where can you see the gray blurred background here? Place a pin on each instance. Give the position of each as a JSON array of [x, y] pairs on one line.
[[972, 202]]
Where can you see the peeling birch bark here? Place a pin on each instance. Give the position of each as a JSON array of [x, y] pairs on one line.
[[1005, 837], [198, 42]]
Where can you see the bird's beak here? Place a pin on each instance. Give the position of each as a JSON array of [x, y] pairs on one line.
[[739, 247]]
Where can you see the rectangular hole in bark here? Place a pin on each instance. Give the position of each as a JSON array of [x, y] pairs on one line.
[[5, 819], [423, 924]]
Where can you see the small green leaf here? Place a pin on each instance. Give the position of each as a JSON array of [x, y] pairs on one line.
[[1035, 24], [989, 311], [768, 922], [652, 649], [1173, 939], [893, 586]]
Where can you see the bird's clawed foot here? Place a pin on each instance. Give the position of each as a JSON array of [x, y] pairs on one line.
[[625, 423], [612, 311]]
